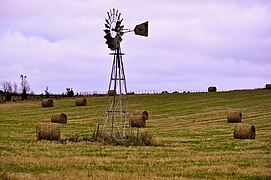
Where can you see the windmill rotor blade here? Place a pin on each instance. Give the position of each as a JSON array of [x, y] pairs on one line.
[[119, 16], [107, 26], [112, 46], [118, 25], [110, 42], [106, 31], [106, 20], [106, 37], [113, 14], [120, 28], [109, 17], [119, 39], [121, 33]]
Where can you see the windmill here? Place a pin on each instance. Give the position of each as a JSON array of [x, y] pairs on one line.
[[117, 109]]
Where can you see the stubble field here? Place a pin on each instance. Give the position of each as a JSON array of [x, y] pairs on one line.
[[195, 140]]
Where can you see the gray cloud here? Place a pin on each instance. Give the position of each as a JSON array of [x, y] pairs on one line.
[[191, 44]]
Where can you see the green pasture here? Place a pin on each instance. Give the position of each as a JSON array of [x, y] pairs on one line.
[[194, 139]]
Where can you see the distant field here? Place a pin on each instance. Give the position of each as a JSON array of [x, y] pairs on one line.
[[197, 142]]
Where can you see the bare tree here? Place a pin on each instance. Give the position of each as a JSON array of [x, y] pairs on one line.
[[9, 88], [3, 86], [25, 87], [15, 87], [6, 86]]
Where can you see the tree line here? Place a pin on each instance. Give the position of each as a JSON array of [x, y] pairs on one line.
[[8, 89]]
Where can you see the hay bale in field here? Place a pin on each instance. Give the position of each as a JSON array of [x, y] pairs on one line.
[[212, 89], [48, 131], [138, 121], [244, 131], [111, 93], [81, 102], [268, 86], [234, 116], [142, 113], [47, 103], [59, 118], [139, 118]]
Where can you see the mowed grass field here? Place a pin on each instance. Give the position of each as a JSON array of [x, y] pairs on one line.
[[195, 140]]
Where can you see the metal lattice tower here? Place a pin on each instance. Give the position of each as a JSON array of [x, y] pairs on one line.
[[117, 109]]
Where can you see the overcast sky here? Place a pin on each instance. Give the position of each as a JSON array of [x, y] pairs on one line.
[[192, 44]]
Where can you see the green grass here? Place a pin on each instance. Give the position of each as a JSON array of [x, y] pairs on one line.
[[197, 142]]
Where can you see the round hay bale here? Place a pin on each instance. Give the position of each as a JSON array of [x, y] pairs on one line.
[[59, 118], [81, 102], [268, 86], [244, 131], [142, 113], [234, 116], [47, 103], [138, 121], [48, 131], [212, 89], [112, 93]]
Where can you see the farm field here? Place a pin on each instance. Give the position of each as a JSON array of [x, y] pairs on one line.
[[194, 139]]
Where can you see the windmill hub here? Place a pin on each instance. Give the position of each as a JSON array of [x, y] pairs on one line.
[[113, 29]]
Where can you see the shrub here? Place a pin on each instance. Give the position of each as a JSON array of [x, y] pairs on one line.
[[143, 139]]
